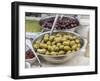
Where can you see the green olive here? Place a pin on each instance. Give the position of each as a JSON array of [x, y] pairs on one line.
[[50, 48], [56, 48], [58, 44], [46, 35], [61, 47], [53, 47], [43, 51], [53, 53], [57, 52], [42, 41], [79, 45], [58, 39], [77, 41], [66, 43], [61, 52], [36, 46], [73, 51], [38, 41], [48, 42], [69, 51], [70, 37], [46, 39], [74, 37], [63, 39], [77, 49], [41, 45], [51, 38], [72, 42], [53, 43], [74, 46], [66, 48], [44, 46], [58, 35], [47, 53]]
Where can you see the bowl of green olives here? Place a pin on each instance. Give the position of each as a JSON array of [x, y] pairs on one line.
[[58, 47]]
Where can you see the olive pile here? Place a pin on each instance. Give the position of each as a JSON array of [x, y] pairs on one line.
[[29, 54], [57, 44], [64, 23]]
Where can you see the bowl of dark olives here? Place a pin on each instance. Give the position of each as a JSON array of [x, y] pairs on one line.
[[58, 47], [68, 23], [29, 56]]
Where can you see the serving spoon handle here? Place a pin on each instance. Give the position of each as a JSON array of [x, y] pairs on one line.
[[54, 23], [61, 17]]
